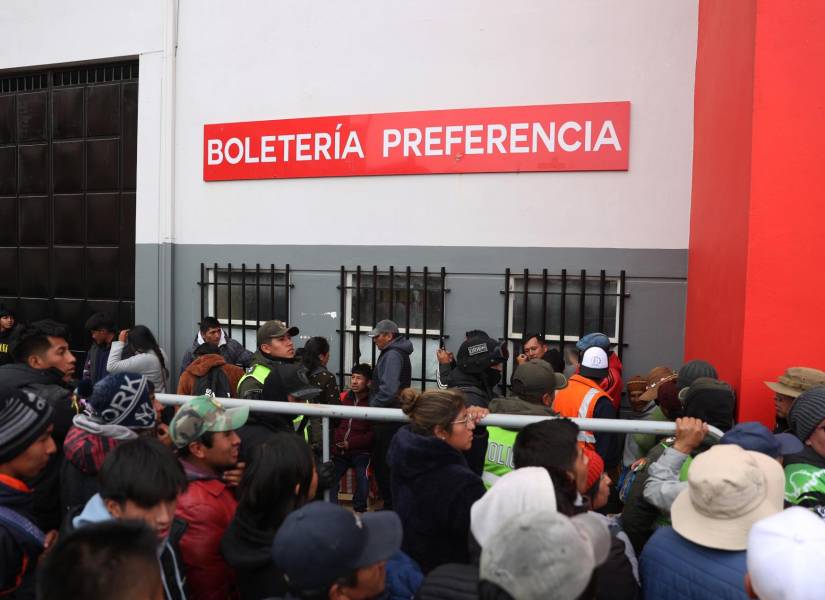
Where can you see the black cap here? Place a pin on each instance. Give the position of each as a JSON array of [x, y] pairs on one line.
[[478, 353], [322, 542]]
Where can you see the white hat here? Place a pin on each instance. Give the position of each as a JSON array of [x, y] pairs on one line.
[[545, 555], [523, 490], [729, 489], [594, 363], [785, 554]]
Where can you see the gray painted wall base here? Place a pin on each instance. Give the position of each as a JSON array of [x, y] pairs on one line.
[[654, 313]]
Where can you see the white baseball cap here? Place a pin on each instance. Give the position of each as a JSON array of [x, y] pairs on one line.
[[785, 554]]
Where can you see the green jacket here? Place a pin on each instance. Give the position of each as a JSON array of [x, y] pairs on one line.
[[499, 458]]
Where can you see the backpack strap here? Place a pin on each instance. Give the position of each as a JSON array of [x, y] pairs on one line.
[[21, 525]]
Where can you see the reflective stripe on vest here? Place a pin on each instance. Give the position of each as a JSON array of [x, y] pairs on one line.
[[259, 373], [584, 409], [499, 458]]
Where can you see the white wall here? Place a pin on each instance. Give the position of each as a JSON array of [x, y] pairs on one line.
[[254, 60], [267, 59]]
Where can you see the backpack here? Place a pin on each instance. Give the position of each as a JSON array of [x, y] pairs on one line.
[[214, 383]]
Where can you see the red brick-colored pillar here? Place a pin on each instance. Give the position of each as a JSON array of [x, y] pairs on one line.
[[756, 270]]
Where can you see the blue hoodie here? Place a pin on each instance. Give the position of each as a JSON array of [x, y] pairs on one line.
[[174, 580]]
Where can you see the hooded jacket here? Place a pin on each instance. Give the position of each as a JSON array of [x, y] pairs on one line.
[[357, 432], [433, 489], [207, 506], [49, 385], [248, 550], [19, 551], [85, 447], [172, 573], [233, 353], [392, 373], [201, 366], [5, 344]]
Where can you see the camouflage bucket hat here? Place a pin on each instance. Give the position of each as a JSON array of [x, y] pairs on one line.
[[203, 414]]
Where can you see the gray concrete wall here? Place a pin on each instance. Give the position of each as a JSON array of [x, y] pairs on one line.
[[654, 312]]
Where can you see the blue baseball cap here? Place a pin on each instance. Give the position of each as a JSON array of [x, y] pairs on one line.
[[593, 339], [754, 436], [321, 542]]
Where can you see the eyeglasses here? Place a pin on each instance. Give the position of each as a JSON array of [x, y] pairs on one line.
[[465, 421]]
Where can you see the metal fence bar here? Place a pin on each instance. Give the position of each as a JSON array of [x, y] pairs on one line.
[[583, 285], [374, 305], [257, 296], [243, 304], [229, 294], [392, 294], [356, 342], [272, 289], [563, 309], [443, 307], [543, 304], [342, 332], [215, 292], [424, 331], [286, 293], [602, 282], [203, 289], [525, 331], [407, 304], [621, 313], [335, 411], [325, 447], [506, 330]]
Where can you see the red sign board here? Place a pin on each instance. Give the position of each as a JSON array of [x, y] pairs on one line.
[[553, 137]]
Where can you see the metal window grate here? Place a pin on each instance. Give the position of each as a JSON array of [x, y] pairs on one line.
[[244, 297], [92, 74], [413, 299], [24, 83], [562, 308]]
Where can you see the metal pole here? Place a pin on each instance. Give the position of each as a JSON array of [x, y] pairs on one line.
[[337, 411], [325, 448]]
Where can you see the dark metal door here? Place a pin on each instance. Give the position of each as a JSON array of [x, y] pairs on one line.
[[68, 153]]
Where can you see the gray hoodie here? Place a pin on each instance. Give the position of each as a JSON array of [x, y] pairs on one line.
[[388, 373]]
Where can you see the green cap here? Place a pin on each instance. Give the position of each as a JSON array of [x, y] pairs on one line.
[[203, 414], [536, 377]]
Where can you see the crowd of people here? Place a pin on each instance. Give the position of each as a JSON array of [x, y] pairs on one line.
[[104, 493]]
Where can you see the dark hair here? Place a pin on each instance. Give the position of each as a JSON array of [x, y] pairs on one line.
[[313, 349], [363, 369], [539, 337], [100, 320], [207, 438], [141, 340], [208, 323], [267, 490], [548, 443], [112, 559], [431, 408], [34, 339], [143, 471], [205, 349]]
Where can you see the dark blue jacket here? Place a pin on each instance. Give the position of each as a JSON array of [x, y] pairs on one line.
[[674, 568], [432, 491], [19, 551]]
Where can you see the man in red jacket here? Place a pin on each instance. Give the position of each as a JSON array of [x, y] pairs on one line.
[[353, 440], [203, 433]]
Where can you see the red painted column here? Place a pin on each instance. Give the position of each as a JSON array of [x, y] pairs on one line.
[[757, 231]]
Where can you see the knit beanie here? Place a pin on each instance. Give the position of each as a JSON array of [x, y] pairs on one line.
[[595, 468], [710, 400], [694, 369], [23, 418], [807, 411], [123, 399]]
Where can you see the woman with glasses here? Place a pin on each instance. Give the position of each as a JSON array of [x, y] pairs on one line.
[[432, 486]]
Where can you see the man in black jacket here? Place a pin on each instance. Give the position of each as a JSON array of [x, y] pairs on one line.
[[44, 367], [103, 331], [212, 333]]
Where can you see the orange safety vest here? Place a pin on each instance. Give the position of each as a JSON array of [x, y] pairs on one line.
[[578, 401]]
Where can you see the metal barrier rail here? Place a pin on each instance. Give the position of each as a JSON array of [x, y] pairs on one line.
[[328, 412]]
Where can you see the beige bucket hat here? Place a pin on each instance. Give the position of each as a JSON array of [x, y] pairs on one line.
[[729, 489], [796, 380]]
